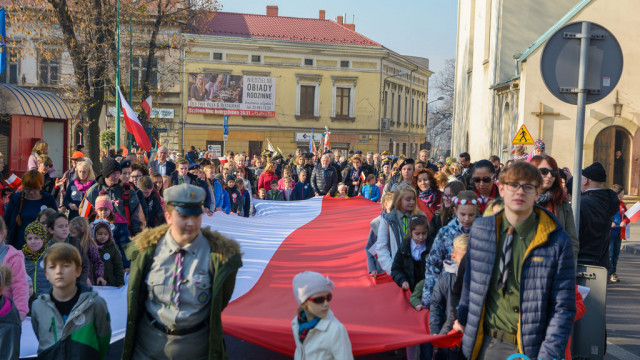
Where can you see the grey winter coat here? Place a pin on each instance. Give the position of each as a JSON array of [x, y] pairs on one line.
[[442, 312]]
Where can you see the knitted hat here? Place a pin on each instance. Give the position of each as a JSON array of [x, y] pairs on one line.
[[104, 201], [595, 172], [538, 144], [308, 283], [99, 223], [109, 166], [37, 229]]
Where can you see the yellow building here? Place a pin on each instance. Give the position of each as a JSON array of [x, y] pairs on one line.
[[280, 78]]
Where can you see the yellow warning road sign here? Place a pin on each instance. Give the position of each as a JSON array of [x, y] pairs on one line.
[[523, 137]]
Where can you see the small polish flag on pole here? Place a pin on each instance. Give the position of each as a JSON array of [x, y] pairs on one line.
[[147, 105], [14, 181], [133, 124], [86, 209], [634, 212], [362, 177], [223, 160]]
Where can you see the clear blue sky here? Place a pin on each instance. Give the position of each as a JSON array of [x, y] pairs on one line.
[[424, 28]]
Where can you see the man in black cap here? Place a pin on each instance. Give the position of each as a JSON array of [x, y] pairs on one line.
[[126, 205], [597, 207], [182, 277]]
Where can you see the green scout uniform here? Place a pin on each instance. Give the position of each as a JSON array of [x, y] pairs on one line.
[[502, 311], [157, 328]]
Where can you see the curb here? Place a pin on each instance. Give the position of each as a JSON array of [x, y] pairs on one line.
[[631, 248]]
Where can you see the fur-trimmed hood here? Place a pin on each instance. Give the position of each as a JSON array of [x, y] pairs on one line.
[[225, 248]]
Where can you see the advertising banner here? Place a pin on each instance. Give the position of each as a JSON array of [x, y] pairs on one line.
[[224, 94]]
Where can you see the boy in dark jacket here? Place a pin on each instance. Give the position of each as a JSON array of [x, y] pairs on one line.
[[155, 213], [442, 312], [10, 324], [235, 198], [302, 190]]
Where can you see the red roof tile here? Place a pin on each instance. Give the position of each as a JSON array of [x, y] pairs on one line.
[[278, 28]]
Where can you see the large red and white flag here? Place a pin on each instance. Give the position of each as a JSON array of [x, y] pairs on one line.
[[147, 105], [133, 124], [283, 239], [634, 212]]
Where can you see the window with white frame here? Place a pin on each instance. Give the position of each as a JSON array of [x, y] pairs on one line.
[[308, 96], [393, 101], [406, 108], [48, 70], [343, 96], [140, 72], [399, 108], [10, 74]]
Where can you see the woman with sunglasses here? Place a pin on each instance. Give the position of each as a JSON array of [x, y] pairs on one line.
[[316, 331], [51, 185], [553, 197], [484, 183]]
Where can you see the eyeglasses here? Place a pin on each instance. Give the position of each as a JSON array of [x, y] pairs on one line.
[[545, 172], [47, 164], [321, 299], [527, 188], [485, 179]]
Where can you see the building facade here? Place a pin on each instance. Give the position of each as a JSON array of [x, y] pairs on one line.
[[281, 79], [610, 124]]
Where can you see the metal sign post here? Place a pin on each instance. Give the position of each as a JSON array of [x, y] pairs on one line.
[[582, 104], [599, 59], [225, 134]]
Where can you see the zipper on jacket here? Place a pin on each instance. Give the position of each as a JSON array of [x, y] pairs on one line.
[[55, 331]]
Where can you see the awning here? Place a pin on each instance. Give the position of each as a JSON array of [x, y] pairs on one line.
[[19, 101]]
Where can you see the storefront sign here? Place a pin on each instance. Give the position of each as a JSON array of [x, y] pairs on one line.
[[302, 137], [158, 113], [215, 150], [224, 94]]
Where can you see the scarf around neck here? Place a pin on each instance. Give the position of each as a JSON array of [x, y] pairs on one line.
[[33, 255], [82, 187], [544, 198], [304, 325]]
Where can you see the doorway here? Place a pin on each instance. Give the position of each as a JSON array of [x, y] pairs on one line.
[[612, 148], [255, 148]]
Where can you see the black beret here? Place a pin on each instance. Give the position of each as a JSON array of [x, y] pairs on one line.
[[595, 172]]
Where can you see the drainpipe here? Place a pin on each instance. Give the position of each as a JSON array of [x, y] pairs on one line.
[[381, 100], [494, 66], [182, 97]]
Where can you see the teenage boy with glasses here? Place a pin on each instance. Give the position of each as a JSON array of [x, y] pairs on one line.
[[519, 285]]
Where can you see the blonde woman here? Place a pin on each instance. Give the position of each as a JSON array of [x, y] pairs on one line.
[[83, 180]]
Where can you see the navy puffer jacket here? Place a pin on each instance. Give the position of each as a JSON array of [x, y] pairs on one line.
[[547, 288]]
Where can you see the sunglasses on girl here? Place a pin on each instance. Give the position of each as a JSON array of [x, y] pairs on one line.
[[485, 179], [545, 172], [321, 299]]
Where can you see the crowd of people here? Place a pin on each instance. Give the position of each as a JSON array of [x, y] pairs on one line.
[[490, 249]]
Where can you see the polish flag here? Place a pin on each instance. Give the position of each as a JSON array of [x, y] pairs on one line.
[[85, 211], [634, 212], [276, 246], [14, 181], [223, 160], [362, 177], [133, 124], [146, 105]]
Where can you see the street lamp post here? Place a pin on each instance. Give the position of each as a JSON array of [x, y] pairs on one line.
[[118, 75], [440, 98]]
